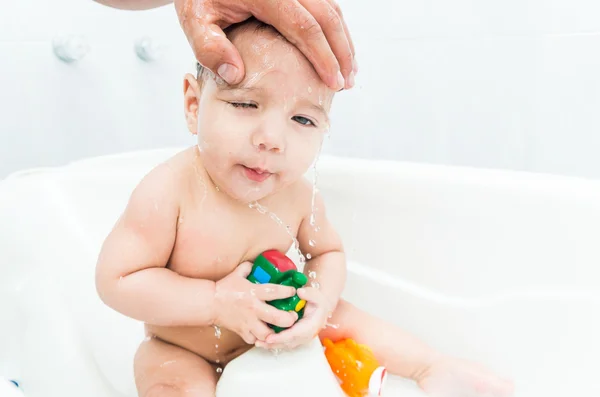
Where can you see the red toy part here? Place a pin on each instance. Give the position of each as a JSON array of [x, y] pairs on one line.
[[279, 260]]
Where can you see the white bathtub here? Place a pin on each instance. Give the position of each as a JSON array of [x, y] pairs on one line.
[[499, 267]]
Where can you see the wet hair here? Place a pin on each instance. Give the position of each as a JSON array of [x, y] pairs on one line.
[[232, 30]]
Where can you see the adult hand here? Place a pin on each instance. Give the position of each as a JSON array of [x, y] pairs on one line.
[[315, 27]]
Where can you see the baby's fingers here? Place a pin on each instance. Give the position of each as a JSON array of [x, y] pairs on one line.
[[274, 316], [302, 331], [312, 295], [271, 292], [260, 331]]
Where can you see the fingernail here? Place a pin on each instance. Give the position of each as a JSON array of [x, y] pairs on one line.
[[340, 79], [354, 66], [350, 81], [228, 72]]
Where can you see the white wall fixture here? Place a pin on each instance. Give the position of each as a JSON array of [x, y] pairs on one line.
[[70, 48], [148, 49]]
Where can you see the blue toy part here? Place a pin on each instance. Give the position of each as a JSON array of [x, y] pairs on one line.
[[261, 276]]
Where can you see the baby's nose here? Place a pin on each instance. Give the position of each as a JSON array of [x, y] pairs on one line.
[[269, 139]]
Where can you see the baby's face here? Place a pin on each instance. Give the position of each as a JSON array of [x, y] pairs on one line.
[[263, 134]]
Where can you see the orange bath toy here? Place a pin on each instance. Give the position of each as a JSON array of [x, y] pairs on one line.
[[356, 368]]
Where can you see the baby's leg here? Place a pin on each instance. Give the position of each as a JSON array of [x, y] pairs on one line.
[[403, 354], [400, 352], [165, 370]]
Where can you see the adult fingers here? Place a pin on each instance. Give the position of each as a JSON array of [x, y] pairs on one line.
[[301, 29], [338, 9], [328, 14], [210, 45]]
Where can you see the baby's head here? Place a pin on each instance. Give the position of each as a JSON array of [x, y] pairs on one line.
[[263, 134]]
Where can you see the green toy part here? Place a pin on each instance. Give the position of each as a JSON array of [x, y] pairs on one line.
[[273, 267]]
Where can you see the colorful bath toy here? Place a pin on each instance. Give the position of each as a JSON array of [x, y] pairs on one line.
[[273, 267], [355, 367]]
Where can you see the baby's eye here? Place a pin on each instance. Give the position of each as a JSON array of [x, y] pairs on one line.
[[243, 105], [303, 120]]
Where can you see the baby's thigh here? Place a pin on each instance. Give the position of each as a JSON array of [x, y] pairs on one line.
[[165, 370]]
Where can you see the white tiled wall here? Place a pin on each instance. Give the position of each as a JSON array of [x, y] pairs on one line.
[[512, 84]]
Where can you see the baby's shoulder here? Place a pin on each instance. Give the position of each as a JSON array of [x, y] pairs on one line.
[[164, 182], [300, 196]]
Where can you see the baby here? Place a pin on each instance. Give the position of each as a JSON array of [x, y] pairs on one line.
[[178, 257]]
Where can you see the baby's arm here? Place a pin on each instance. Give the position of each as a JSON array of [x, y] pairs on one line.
[[326, 266], [327, 262], [131, 273]]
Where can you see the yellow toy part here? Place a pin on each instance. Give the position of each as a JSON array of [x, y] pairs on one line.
[[355, 367]]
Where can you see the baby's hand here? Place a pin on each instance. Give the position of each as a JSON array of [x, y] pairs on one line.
[[450, 377], [241, 307], [315, 317]]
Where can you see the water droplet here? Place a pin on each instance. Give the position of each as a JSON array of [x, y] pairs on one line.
[[219, 370], [311, 243], [334, 326], [313, 208], [312, 274], [167, 363], [217, 331], [264, 210], [315, 284], [308, 256]]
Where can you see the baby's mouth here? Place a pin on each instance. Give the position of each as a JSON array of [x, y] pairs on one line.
[[256, 174]]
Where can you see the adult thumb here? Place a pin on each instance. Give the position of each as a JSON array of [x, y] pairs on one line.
[[214, 51]]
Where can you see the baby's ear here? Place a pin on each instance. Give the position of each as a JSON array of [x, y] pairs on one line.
[[191, 95]]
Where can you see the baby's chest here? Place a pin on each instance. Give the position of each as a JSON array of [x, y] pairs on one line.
[[211, 247]]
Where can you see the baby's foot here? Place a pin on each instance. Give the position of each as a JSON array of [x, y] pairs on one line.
[[450, 377]]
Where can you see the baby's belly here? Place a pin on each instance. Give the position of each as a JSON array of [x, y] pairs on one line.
[[215, 347]]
